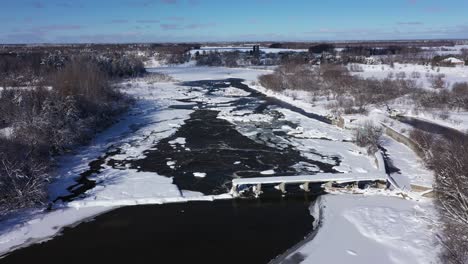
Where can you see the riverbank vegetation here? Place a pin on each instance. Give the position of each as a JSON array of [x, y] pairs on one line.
[[448, 157], [348, 93], [64, 108]]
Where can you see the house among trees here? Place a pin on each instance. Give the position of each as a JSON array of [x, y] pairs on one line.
[[454, 61]]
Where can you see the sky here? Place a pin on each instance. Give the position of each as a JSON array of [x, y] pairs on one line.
[[130, 21]]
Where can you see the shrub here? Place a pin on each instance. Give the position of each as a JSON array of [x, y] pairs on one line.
[[271, 81], [48, 122], [460, 89], [210, 59], [415, 75], [368, 136], [438, 81], [82, 78], [355, 68], [335, 80], [23, 177], [401, 75], [118, 66]]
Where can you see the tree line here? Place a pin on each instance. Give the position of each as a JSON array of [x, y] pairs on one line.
[[64, 110]]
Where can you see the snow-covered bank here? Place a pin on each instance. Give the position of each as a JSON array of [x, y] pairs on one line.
[[412, 168], [373, 229], [301, 99], [34, 226], [191, 73], [185, 197]]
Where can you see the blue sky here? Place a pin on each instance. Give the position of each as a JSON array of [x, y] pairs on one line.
[[58, 21]]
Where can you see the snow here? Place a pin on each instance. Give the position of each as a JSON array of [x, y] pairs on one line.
[[190, 73], [199, 174], [153, 62], [26, 88], [178, 141], [6, 132], [117, 185], [372, 229], [412, 168], [171, 164], [452, 74], [301, 99], [184, 197], [244, 118], [268, 172], [454, 61], [232, 92], [34, 226], [313, 129], [368, 221]]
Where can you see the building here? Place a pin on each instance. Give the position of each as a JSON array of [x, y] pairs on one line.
[[454, 61]]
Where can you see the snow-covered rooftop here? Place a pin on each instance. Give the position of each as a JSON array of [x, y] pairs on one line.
[[454, 60]]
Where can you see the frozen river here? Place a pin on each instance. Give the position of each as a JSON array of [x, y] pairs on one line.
[[182, 144]]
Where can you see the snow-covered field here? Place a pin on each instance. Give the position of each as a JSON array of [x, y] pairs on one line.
[[456, 119], [420, 73], [353, 229]]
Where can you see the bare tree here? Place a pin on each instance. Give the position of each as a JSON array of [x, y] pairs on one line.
[[449, 159], [438, 81], [368, 136]]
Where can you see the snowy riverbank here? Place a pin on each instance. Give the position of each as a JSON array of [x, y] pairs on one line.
[[372, 229]]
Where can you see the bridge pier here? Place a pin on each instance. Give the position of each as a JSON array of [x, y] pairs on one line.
[[325, 180], [328, 184], [281, 187], [234, 192], [258, 189]]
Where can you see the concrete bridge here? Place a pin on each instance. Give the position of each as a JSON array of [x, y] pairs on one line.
[[305, 181]]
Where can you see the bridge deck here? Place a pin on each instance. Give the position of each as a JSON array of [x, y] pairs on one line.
[[316, 178]]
